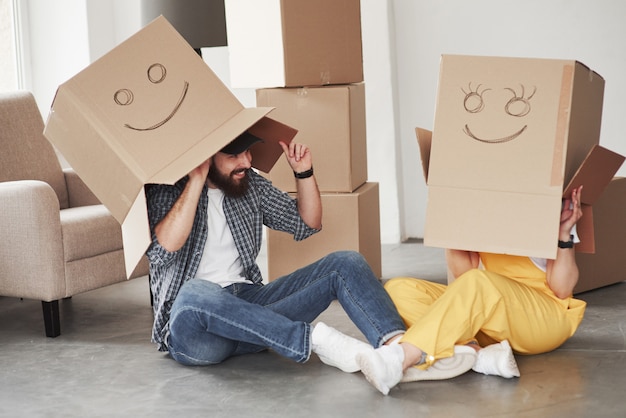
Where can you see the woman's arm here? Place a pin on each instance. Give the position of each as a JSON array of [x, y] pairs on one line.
[[460, 261], [562, 272]]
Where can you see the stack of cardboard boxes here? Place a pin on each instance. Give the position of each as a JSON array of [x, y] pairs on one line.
[[305, 60]]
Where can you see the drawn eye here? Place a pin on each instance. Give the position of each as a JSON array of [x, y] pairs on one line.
[[519, 106], [473, 101], [123, 97], [156, 73]]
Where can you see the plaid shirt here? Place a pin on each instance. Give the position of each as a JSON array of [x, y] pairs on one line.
[[262, 205]]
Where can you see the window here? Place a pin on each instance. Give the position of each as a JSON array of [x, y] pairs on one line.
[[8, 52]]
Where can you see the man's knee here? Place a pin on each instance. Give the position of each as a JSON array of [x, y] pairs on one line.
[[348, 258]]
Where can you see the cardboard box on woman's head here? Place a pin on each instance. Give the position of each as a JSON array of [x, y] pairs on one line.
[[509, 136]]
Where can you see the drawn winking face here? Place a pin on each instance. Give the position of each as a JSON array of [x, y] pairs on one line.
[[156, 74], [518, 106]]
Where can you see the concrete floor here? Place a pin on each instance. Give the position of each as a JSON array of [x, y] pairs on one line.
[[103, 365]]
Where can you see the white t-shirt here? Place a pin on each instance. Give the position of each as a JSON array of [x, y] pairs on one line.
[[220, 262]]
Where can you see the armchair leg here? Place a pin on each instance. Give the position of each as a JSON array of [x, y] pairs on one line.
[[51, 318]]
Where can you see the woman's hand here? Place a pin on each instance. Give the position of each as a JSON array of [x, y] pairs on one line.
[[571, 212]]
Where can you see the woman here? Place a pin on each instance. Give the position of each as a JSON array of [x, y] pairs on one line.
[[519, 303]]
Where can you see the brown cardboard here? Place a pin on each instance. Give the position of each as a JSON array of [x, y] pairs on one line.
[[606, 265], [149, 111], [508, 135], [594, 175], [331, 121], [285, 43], [351, 221]]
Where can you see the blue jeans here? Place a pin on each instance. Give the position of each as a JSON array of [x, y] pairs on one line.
[[209, 324]]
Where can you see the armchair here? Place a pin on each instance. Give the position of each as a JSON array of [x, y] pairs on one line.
[[58, 240]]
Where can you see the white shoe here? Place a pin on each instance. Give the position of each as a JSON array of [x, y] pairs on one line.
[[498, 360], [337, 349], [462, 361], [382, 367]]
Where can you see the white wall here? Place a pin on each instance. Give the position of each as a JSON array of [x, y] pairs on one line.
[[57, 45], [402, 43], [591, 32]]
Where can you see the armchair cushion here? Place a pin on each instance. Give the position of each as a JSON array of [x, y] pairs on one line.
[[89, 231]]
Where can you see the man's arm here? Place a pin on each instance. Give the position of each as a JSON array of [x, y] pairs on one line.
[[174, 229], [309, 200]]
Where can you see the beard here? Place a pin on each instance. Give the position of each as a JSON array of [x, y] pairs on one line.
[[227, 183]]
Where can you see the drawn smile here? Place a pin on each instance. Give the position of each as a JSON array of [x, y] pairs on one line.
[[511, 137], [168, 117]]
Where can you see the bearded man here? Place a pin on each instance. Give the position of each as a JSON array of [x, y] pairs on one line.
[[209, 299]]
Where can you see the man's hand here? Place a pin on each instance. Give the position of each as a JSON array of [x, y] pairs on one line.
[[200, 173], [298, 156]]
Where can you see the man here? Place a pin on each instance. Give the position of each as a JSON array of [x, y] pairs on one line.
[[209, 300]]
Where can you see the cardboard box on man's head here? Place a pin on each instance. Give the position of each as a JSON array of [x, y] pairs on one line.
[[509, 134], [150, 111]]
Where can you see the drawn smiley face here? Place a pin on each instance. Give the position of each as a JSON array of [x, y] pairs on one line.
[[518, 106], [156, 74]]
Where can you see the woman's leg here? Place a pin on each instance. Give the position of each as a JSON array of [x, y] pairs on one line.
[[497, 306], [413, 297]]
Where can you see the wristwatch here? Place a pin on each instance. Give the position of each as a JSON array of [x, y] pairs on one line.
[[567, 244], [304, 174]]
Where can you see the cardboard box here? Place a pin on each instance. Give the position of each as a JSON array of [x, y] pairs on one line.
[[594, 175], [509, 134], [606, 265], [150, 111], [291, 43], [351, 221], [331, 121]]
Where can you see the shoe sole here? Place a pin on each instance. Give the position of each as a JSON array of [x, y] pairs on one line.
[[461, 362]]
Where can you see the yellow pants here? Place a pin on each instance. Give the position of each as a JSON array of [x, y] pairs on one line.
[[484, 306]]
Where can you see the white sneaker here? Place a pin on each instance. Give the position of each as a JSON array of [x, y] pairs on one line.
[[337, 349], [498, 360], [382, 367], [462, 361]]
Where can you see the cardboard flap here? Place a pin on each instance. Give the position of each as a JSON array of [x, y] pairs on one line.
[[424, 140], [266, 153], [594, 174], [210, 144], [135, 233]]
